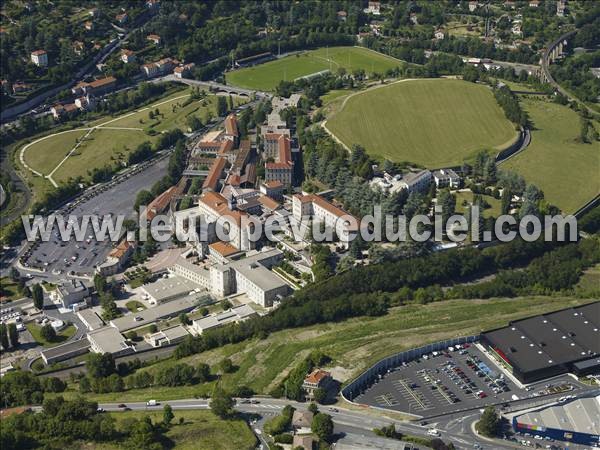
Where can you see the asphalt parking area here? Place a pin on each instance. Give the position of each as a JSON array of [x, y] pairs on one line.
[[442, 383]]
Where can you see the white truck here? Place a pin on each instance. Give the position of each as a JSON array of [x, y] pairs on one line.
[[151, 403]]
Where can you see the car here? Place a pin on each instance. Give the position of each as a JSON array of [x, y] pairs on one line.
[[121, 405]]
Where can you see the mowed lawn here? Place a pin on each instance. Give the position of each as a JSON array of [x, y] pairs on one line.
[[45, 155], [100, 147], [266, 77], [564, 169], [107, 145], [353, 344], [434, 123]]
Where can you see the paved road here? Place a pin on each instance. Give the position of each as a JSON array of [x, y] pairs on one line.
[[362, 421]]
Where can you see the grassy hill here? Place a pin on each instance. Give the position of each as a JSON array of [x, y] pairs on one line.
[[353, 344], [566, 170], [434, 123], [266, 77]]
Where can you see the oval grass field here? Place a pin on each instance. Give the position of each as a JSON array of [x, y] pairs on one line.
[[434, 122]]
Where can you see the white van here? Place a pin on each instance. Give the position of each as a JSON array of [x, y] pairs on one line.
[[151, 403], [433, 432]]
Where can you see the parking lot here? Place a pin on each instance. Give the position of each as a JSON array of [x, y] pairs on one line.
[[59, 257], [444, 382]]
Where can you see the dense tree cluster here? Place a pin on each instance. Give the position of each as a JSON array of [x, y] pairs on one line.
[[510, 104], [24, 388]]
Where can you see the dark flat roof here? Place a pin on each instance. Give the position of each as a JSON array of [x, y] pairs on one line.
[[544, 341]]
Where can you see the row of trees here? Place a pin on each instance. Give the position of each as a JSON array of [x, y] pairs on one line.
[[361, 291]]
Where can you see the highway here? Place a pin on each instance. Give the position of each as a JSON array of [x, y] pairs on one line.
[[363, 421]]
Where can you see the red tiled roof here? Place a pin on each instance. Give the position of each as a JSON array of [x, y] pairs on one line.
[[272, 136], [231, 125], [218, 204], [225, 147], [316, 376], [320, 201], [120, 249], [273, 166], [268, 202], [102, 82], [273, 184], [224, 249], [214, 174], [38, 52], [285, 151]]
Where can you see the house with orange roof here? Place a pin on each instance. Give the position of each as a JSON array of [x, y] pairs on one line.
[[117, 258], [39, 58], [154, 38], [128, 56], [317, 379]]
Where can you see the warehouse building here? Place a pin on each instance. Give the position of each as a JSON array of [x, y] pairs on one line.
[[575, 421], [549, 344]]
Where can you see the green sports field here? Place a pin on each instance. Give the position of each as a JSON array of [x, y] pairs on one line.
[[434, 123], [265, 77], [114, 137], [567, 171]]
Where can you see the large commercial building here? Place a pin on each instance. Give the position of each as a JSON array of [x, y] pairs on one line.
[[109, 340], [549, 344], [576, 421], [233, 315]]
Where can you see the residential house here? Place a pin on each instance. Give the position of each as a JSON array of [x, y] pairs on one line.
[[342, 15], [534, 3], [317, 379], [183, 71], [117, 258], [89, 25], [39, 58], [439, 34], [446, 178], [122, 18], [303, 441], [59, 111], [473, 6], [161, 67], [154, 38], [561, 7], [96, 87], [128, 56], [78, 48], [373, 8]]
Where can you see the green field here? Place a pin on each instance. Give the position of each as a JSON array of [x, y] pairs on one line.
[[61, 336], [44, 155], [353, 344], [266, 77], [494, 210], [433, 123], [200, 430], [564, 169], [106, 145]]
